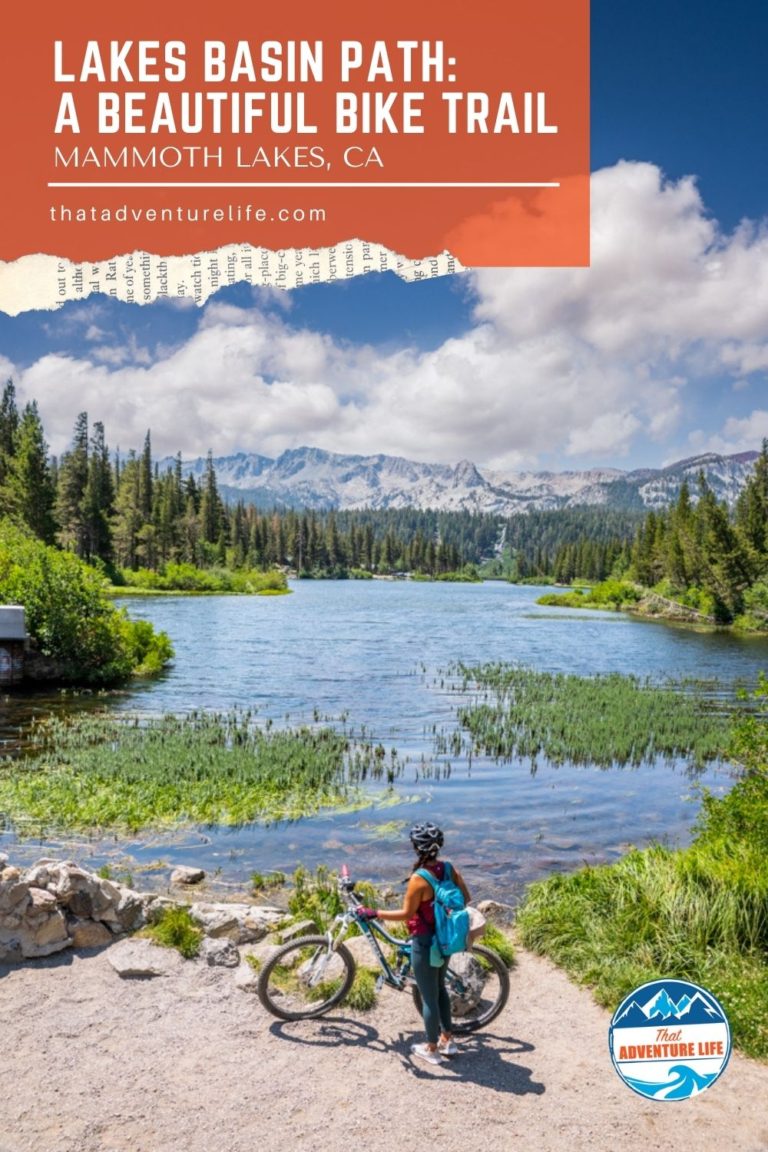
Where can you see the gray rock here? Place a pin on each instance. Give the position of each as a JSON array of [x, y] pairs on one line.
[[361, 950], [10, 949], [215, 919], [142, 958], [186, 875], [493, 910], [80, 904], [219, 953], [131, 911], [14, 896], [88, 933], [41, 904], [246, 977], [155, 905], [303, 928], [473, 979], [51, 931], [243, 923], [3, 860]]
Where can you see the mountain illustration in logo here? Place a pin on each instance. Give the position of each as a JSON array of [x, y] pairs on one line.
[[663, 1009]]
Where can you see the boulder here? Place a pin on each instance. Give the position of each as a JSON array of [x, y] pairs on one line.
[[14, 896], [361, 950], [186, 875], [473, 980], [246, 977], [215, 919], [142, 958], [130, 913], [303, 928], [88, 933], [493, 910], [219, 953], [41, 904], [242, 923]]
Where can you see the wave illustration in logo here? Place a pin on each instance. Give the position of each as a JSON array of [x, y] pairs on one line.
[[683, 1083]]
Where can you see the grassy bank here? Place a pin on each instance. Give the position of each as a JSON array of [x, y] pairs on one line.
[[604, 720], [698, 914], [665, 601], [186, 579], [102, 772]]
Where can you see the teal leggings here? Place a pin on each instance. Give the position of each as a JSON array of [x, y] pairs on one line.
[[435, 1004]]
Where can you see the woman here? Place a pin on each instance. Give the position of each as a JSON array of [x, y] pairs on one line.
[[418, 910]]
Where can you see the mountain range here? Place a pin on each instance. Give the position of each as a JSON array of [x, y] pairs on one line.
[[662, 1009], [314, 478]]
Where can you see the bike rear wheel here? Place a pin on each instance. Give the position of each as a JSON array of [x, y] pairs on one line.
[[305, 978], [478, 985]]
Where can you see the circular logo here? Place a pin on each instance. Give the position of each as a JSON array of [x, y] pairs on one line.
[[669, 1040]]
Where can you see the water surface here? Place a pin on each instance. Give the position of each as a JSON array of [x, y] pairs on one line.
[[373, 651]]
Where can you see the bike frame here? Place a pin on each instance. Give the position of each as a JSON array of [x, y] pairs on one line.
[[397, 976]]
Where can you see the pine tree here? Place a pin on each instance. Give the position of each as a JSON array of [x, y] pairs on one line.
[[752, 512], [9, 423], [146, 480], [127, 520], [210, 505], [29, 486], [73, 479], [98, 503]]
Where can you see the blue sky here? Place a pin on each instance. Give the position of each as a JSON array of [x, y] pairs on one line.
[[660, 350]]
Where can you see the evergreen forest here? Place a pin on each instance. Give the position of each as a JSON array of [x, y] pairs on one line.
[[129, 517]]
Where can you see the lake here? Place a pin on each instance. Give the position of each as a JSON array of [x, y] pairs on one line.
[[373, 651]]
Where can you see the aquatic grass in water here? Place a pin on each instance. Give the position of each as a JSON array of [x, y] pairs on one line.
[[698, 914], [98, 771], [603, 720]]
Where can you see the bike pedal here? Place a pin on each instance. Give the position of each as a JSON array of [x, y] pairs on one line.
[[380, 981]]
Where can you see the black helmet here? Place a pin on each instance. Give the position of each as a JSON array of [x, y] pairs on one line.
[[427, 839]]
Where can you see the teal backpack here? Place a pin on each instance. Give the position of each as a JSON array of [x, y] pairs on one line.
[[451, 916]]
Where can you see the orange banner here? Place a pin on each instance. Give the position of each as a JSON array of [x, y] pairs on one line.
[[423, 127]]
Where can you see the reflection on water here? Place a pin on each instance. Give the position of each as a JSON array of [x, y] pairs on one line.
[[359, 648]]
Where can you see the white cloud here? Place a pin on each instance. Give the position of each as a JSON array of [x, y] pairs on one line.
[[129, 352], [569, 362], [737, 435]]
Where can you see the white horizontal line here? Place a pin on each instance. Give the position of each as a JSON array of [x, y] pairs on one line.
[[302, 184]]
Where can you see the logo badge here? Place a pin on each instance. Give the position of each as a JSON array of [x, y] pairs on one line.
[[669, 1040]]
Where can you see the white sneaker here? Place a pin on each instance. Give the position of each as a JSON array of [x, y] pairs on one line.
[[431, 1056], [447, 1048]]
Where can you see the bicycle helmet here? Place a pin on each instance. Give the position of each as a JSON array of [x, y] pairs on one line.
[[426, 838]]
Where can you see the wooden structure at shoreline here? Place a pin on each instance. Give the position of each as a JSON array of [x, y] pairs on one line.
[[13, 641]]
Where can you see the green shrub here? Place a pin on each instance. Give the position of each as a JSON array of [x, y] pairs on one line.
[[175, 928], [265, 881], [362, 995], [494, 938], [315, 897], [185, 577], [69, 616]]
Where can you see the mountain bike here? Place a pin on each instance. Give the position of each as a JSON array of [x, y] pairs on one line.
[[308, 976]]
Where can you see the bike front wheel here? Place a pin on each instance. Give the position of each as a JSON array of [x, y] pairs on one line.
[[478, 986], [305, 978]]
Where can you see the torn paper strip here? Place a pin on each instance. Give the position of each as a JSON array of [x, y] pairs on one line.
[[43, 282]]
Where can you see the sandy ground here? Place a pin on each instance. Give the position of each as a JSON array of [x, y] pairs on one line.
[[91, 1062]]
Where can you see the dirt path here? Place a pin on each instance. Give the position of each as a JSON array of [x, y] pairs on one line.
[[190, 1063]]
